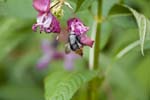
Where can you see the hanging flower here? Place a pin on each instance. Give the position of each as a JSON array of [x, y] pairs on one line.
[[45, 20], [50, 53], [76, 26], [77, 35]]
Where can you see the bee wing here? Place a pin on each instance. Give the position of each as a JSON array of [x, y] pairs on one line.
[[67, 48]]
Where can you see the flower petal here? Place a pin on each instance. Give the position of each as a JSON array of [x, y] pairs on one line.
[[47, 23], [48, 52], [41, 5], [46, 46], [44, 61], [58, 55], [76, 26], [69, 60], [54, 26], [86, 40]]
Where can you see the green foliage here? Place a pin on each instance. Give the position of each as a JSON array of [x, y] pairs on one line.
[[142, 22], [67, 84], [144, 29], [15, 92], [9, 38], [83, 4], [18, 8], [20, 51]]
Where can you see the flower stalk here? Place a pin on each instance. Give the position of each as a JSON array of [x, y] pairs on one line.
[[94, 84], [97, 36]]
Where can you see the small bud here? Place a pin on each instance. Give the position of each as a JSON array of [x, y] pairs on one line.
[[56, 9]]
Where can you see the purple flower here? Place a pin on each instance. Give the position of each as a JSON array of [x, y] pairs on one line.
[[41, 5], [76, 26], [45, 20], [50, 53], [69, 60], [47, 54]]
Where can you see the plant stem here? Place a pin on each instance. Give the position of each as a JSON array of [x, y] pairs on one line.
[[94, 84], [97, 37]]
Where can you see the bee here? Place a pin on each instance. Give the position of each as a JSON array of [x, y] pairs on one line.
[[74, 44]]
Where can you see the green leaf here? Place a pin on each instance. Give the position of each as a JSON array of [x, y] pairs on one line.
[[118, 10], [83, 4], [63, 85], [132, 46], [142, 74], [128, 48], [142, 22]]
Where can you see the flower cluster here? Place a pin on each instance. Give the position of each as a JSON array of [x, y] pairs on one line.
[[48, 23]]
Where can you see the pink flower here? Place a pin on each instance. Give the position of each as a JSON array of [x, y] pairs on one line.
[[41, 5], [69, 60], [76, 26], [50, 53], [47, 57], [45, 20]]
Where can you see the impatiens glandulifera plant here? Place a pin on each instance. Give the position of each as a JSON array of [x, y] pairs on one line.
[[48, 23], [63, 85]]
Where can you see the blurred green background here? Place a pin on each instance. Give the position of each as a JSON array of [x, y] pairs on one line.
[[127, 78]]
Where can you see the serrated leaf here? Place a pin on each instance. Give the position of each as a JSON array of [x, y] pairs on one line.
[[63, 85], [142, 22], [83, 4]]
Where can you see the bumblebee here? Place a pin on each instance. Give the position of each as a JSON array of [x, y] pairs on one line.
[[74, 44]]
